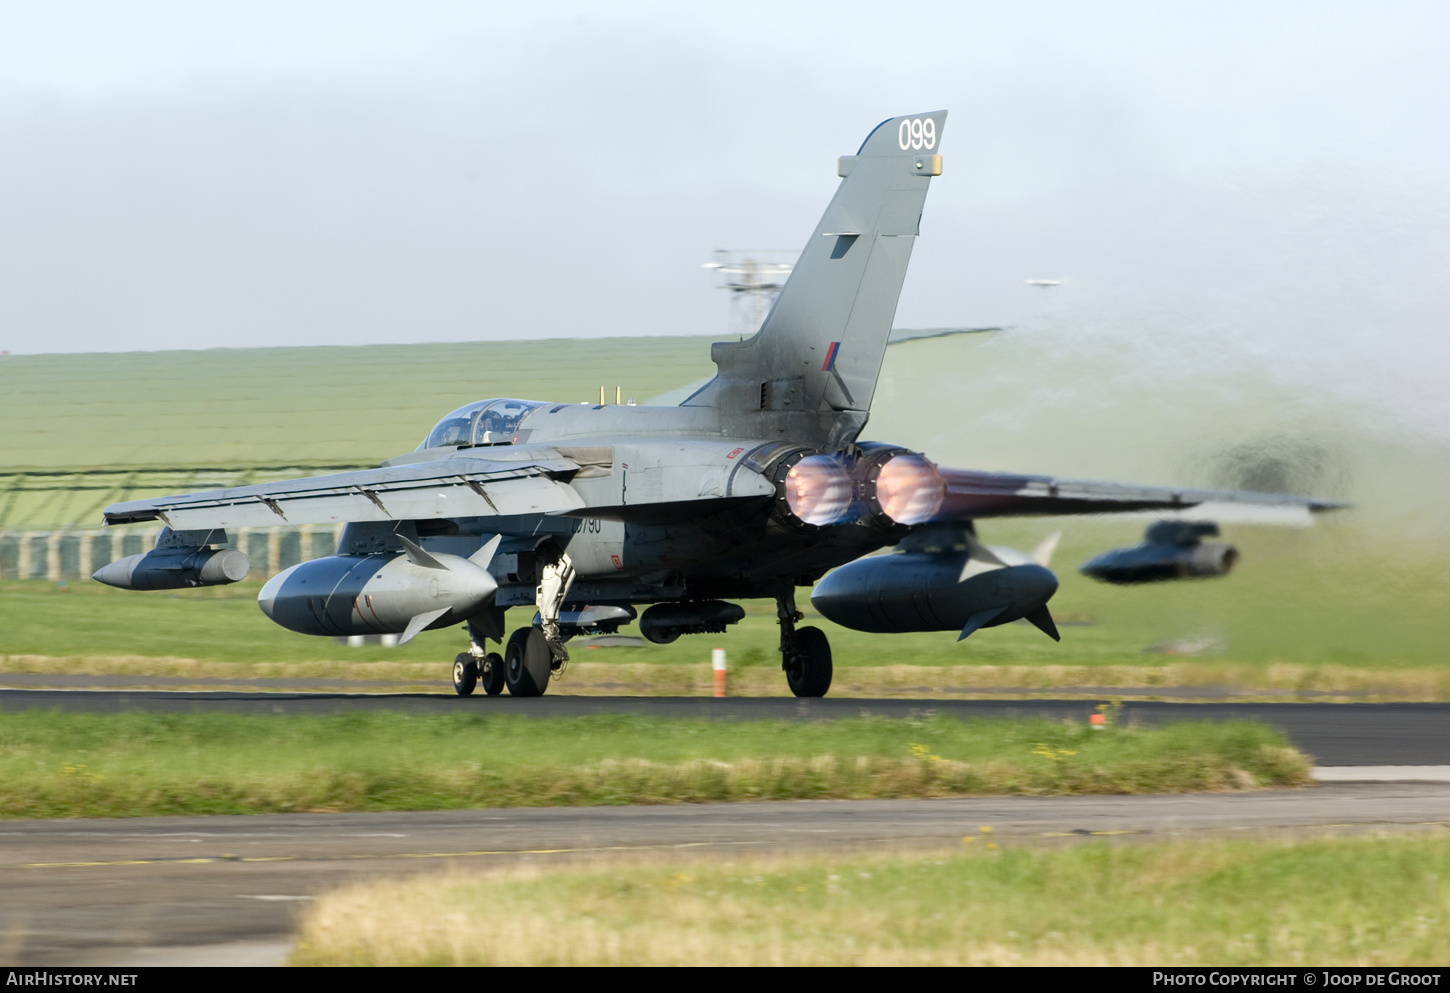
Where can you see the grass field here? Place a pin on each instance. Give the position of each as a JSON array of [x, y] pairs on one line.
[[1356, 598], [1364, 901], [82, 431], [299, 406], [1290, 606], [137, 764]]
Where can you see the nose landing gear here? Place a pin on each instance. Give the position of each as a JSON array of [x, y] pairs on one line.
[[478, 665], [465, 674]]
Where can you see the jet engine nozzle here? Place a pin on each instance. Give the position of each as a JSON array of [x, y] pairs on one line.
[[818, 490], [884, 486], [909, 489]]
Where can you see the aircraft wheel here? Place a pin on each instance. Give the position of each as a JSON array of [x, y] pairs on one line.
[[526, 663], [492, 675], [808, 670], [465, 674], [513, 658]]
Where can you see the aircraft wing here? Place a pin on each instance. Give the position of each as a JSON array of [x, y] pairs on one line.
[[973, 494], [448, 487]]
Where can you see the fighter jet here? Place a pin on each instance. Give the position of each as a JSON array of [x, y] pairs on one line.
[[756, 485]]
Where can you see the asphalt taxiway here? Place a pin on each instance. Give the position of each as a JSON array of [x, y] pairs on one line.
[[227, 890], [1335, 734]]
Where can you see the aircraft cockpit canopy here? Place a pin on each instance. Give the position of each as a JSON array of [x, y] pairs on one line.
[[486, 422]]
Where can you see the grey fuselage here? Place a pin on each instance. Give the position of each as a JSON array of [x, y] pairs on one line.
[[677, 508]]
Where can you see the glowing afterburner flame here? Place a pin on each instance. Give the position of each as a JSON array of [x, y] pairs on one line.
[[818, 490], [909, 489]]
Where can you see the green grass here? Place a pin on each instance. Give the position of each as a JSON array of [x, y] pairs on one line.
[[1378, 901], [299, 406], [78, 432], [1362, 589], [133, 764], [1290, 602]]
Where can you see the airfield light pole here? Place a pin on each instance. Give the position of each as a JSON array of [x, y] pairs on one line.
[[754, 279]]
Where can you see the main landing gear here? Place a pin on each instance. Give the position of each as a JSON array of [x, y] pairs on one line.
[[524, 667], [527, 662], [535, 653], [532, 655], [805, 654]]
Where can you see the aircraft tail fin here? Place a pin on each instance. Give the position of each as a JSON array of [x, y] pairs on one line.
[[813, 364]]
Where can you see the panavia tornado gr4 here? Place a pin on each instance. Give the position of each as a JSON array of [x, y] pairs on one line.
[[754, 486]]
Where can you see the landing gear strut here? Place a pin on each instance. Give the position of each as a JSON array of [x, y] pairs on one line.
[[805, 654], [558, 576]]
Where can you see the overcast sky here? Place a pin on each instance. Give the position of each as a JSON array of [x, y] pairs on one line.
[[1226, 183]]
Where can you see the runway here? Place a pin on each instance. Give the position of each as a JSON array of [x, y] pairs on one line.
[[226, 890], [1334, 734]]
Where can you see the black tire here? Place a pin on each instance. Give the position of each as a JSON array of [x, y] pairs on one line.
[[527, 663], [808, 669], [492, 675], [513, 658], [465, 674]]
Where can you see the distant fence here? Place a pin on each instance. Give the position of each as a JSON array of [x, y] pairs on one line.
[[57, 555]]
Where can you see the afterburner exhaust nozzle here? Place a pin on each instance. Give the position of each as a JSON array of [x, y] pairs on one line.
[[909, 489], [818, 490], [882, 486]]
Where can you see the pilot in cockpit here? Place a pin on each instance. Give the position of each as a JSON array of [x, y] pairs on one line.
[[486, 422], [491, 428]]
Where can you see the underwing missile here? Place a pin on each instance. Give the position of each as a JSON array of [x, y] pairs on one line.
[[940, 579], [390, 593]]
